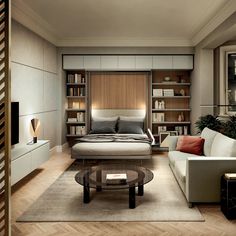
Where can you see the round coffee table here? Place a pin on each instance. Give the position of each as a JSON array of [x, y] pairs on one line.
[[95, 177]]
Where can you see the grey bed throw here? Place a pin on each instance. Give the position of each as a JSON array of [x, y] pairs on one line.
[[103, 138]]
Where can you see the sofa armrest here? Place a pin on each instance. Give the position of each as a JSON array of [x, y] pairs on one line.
[[203, 177], [173, 142]]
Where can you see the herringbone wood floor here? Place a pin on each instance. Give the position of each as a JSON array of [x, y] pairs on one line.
[[30, 188]]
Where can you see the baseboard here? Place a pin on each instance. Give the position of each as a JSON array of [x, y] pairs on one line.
[[59, 148]]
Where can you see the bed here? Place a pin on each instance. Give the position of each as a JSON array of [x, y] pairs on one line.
[[115, 134]]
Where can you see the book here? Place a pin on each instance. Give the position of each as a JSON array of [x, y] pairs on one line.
[[230, 175], [72, 120], [116, 178], [168, 92]]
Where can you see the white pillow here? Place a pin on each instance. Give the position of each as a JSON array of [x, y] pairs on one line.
[[113, 118], [132, 118], [223, 146], [209, 136]]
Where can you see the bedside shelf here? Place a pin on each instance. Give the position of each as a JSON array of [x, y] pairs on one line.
[[76, 85]]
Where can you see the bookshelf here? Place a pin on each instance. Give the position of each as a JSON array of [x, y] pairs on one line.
[[170, 102], [76, 110]]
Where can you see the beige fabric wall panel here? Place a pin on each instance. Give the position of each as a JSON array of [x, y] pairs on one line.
[[49, 57], [35, 83], [119, 90], [27, 47]]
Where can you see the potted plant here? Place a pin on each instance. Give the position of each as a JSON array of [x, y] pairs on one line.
[[229, 127], [209, 121]]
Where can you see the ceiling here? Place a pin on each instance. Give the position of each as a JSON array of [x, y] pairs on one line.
[[119, 22]]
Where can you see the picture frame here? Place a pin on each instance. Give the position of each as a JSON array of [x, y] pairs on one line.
[[164, 138]]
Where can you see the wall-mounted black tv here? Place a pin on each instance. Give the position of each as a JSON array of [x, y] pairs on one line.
[[14, 123]]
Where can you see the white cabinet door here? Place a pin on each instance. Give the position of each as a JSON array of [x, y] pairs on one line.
[[183, 62], [92, 62], [162, 62], [39, 156], [143, 62], [20, 168], [73, 62], [109, 62], [126, 62]]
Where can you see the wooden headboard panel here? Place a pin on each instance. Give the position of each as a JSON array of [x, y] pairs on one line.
[[119, 90]]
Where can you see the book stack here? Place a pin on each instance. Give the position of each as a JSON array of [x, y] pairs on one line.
[[72, 120], [161, 129], [80, 130], [72, 130], [80, 116], [116, 178], [168, 92], [158, 117], [76, 91], [157, 92], [75, 79]]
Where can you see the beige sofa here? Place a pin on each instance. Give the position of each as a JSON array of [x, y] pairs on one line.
[[199, 176]]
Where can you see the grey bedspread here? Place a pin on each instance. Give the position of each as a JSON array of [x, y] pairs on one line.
[[104, 138]]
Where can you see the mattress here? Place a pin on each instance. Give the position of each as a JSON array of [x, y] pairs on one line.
[[136, 149]]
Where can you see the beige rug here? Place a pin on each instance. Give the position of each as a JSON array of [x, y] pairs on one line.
[[162, 201]]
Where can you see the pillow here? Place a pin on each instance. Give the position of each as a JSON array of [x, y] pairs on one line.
[[132, 118], [130, 127], [209, 136], [223, 146], [190, 144], [112, 118], [103, 127]]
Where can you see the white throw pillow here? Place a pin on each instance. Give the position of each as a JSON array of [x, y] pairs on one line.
[[209, 136], [223, 146]]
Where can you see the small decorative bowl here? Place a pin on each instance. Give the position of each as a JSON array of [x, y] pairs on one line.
[[167, 78]]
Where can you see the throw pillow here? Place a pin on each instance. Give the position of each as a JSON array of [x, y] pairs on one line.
[[190, 144], [130, 127], [103, 127], [223, 146], [209, 136]]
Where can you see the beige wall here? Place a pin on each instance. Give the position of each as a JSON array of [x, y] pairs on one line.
[[35, 82], [202, 88]]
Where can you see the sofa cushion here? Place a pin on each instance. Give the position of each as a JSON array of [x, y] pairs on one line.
[[190, 144], [180, 169], [223, 146], [177, 155], [209, 136]]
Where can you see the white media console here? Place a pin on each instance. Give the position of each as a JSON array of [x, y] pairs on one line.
[[26, 158]]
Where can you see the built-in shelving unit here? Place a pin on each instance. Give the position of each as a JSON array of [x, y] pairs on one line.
[[170, 101], [76, 111]]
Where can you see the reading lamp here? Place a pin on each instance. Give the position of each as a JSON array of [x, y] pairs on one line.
[[34, 129]]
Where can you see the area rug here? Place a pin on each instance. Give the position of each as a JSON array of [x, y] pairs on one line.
[[63, 201]]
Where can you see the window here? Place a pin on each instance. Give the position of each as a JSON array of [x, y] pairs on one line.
[[231, 83]]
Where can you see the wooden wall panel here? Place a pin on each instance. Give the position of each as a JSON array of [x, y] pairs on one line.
[[118, 90]]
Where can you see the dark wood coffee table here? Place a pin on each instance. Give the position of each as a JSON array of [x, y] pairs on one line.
[[95, 177]]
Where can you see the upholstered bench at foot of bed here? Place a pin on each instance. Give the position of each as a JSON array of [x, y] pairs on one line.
[[111, 150]]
